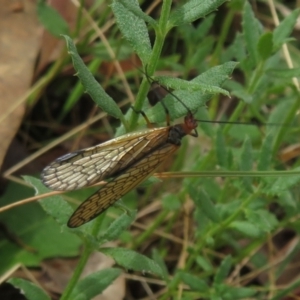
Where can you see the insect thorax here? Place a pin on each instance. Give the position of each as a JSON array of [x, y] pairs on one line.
[[176, 133]]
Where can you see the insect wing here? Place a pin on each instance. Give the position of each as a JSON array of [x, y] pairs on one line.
[[87, 166], [119, 186]]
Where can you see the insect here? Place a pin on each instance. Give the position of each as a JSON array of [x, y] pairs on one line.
[[128, 160]]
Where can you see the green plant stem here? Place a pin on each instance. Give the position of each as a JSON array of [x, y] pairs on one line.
[[216, 229], [88, 249], [215, 58], [252, 86], [161, 32], [78, 270], [158, 220], [229, 174]]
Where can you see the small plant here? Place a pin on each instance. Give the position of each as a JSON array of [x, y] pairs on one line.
[[213, 237]]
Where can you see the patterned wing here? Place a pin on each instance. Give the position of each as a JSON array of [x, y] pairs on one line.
[[119, 186], [88, 166]]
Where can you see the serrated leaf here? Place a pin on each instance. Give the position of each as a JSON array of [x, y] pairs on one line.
[[91, 85], [263, 219], [246, 228], [251, 31], [223, 270], [193, 10], [133, 28], [29, 289], [51, 19], [284, 29], [118, 226], [265, 154], [78, 89], [132, 260], [193, 100], [217, 75], [194, 282], [133, 7], [94, 284], [265, 45], [180, 84], [204, 204]]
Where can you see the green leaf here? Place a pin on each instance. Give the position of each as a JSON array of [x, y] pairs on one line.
[[180, 84], [30, 225], [288, 201], [78, 89], [203, 203], [226, 292], [217, 75], [263, 219], [265, 45], [171, 202], [283, 183], [284, 29], [204, 263], [240, 131], [133, 7], [242, 293], [284, 73], [242, 94], [95, 284], [133, 261], [195, 35], [51, 19], [246, 228], [29, 289], [223, 270], [133, 28], [118, 226], [265, 154], [193, 100], [160, 261], [236, 49], [193, 10], [55, 206], [91, 85], [208, 128], [221, 151], [194, 282], [251, 30], [246, 162]]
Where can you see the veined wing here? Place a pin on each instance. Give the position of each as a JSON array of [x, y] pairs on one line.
[[119, 186], [87, 166]]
